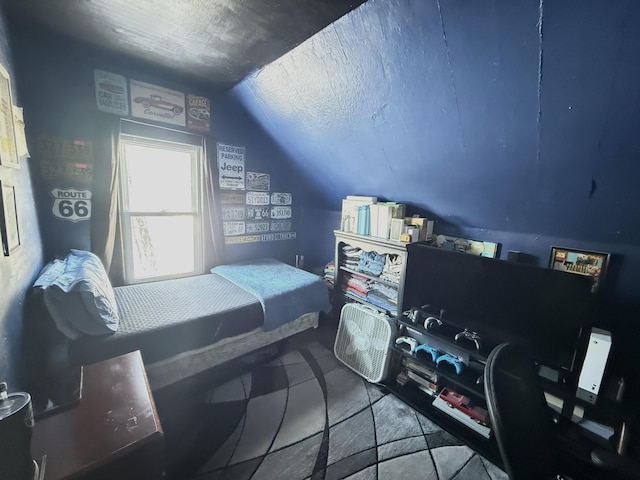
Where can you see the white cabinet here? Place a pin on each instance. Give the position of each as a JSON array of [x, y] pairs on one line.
[[382, 291]]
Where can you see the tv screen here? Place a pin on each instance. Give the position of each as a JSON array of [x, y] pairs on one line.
[[540, 308]]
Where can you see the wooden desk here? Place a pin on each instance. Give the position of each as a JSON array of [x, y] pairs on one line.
[[113, 432]]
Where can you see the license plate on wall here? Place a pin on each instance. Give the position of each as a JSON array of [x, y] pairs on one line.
[[283, 226], [280, 212], [257, 227]]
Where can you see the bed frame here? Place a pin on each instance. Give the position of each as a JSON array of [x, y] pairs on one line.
[[186, 326]]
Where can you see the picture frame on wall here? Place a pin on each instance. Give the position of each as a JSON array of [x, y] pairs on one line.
[[581, 262], [8, 148], [9, 219]]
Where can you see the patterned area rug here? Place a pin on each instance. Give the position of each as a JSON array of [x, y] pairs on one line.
[[306, 416]]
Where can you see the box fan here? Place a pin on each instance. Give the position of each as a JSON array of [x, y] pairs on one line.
[[363, 341]]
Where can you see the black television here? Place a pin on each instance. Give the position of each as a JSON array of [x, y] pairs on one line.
[[542, 309]]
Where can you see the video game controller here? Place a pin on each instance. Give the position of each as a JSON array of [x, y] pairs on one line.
[[451, 360], [412, 342], [433, 351], [433, 321], [472, 336], [415, 313]]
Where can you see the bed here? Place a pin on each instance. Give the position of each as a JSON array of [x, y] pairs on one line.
[[181, 326]]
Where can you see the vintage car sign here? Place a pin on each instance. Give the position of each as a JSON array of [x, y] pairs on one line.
[[281, 198], [71, 204], [280, 212]]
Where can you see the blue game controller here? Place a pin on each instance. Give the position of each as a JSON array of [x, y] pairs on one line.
[[433, 351], [451, 360]]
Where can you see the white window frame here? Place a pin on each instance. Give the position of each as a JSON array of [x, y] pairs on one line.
[[196, 153]]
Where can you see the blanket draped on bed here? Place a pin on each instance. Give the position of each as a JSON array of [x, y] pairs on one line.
[[285, 292]]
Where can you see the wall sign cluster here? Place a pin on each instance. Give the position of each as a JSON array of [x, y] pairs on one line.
[[66, 162], [250, 213], [151, 102]]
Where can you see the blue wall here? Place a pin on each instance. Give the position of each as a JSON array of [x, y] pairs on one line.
[[516, 122], [18, 270], [510, 121]]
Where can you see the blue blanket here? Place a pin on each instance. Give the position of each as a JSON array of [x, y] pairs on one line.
[[285, 292]]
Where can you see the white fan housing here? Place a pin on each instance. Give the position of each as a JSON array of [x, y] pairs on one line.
[[363, 341]]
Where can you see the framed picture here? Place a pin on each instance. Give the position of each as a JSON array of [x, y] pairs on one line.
[[580, 262], [8, 148], [9, 219]]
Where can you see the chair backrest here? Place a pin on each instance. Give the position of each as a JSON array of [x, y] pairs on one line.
[[519, 415]]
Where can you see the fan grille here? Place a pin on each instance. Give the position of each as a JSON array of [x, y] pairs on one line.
[[362, 342]]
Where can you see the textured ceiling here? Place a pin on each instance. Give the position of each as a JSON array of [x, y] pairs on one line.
[[216, 41]]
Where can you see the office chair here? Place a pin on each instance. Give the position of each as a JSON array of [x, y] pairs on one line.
[[521, 421]]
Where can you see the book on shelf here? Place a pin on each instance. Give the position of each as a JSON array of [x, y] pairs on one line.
[[349, 218], [362, 198]]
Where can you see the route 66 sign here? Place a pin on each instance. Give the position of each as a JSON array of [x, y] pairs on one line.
[[71, 204]]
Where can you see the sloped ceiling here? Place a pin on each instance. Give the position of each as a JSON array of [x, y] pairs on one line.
[[218, 42]]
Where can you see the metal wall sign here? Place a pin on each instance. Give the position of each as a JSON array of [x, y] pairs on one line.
[[112, 93], [233, 228], [270, 237], [198, 113], [157, 103], [71, 205], [258, 198], [278, 212], [282, 226], [258, 181], [231, 166], [258, 213], [278, 198], [233, 213], [242, 239], [257, 227], [229, 197]]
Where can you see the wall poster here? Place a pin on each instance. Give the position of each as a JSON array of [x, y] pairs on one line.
[[157, 103], [8, 151], [231, 166], [9, 221], [112, 94]]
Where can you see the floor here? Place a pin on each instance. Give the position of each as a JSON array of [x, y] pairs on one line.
[[304, 415]]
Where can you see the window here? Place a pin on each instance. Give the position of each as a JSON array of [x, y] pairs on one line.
[[161, 209]]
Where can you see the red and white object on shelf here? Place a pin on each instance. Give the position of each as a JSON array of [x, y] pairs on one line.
[[459, 407]]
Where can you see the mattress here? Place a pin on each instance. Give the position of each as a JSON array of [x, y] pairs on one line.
[[165, 318]]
